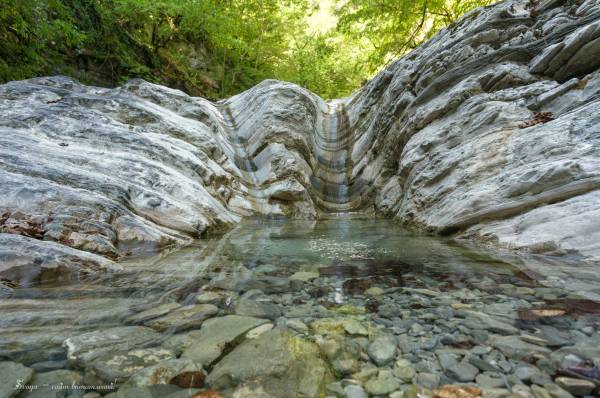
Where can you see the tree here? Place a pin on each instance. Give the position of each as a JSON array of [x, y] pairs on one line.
[[394, 27]]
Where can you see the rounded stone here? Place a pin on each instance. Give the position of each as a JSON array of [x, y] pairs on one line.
[[463, 371], [382, 350], [381, 385], [354, 391], [575, 386]]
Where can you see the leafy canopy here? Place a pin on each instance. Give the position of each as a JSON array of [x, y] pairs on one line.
[[217, 48]]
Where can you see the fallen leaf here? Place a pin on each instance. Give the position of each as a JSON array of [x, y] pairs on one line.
[[207, 394], [189, 380], [548, 312], [536, 313], [452, 391]]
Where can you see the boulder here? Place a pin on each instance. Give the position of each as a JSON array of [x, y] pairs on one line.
[[118, 367], [382, 349], [13, 376], [29, 262], [186, 317], [181, 372], [83, 349], [49, 381], [217, 335], [282, 364]]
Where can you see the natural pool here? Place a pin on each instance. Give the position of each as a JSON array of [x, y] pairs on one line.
[[344, 306]]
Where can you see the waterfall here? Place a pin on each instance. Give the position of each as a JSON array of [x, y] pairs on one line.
[[332, 176]]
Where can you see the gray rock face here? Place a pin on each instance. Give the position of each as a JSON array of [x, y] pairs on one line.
[[216, 334], [383, 349], [164, 372], [84, 349], [12, 376], [283, 365], [49, 381], [354, 391], [182, 318], [26, 261], [120, 366], [576, 386], [514, 347], [256, 308], [463, 371], [445, 138]]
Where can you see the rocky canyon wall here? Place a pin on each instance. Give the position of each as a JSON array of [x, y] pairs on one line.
[[490, 130]]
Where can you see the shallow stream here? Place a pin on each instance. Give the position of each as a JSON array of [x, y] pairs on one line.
[[390, 311]]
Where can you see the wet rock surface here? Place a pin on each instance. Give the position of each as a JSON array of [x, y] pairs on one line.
[[217, 335], [12, 375], [85, 348], [281, 363]]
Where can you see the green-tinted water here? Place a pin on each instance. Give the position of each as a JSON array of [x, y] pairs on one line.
[[430, 293]]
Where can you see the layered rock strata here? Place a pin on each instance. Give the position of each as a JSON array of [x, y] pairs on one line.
[[489, 130]]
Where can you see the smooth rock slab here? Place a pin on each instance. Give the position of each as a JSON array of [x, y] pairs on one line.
[[514, 347], [282, 364], [383, 384], [178, 343], [29, 262], [217, 334], [54, 378], [479, 320], [133, 392], [428, 380], [354, 391], [382, 350], [463, 371], [540, 392], [87, 347], [304, 276], [297, 325], [183, 318], [210, 297], [556, 391], [155, 391], [257, 331], [165, 372], [258, 309], [404, 371], [575, 386], [119, 367], [354, 327], [152, 313], [12, 375]]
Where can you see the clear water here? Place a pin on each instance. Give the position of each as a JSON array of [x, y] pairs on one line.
[[377, 252]]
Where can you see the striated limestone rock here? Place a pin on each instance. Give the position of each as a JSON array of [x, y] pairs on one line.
[[488, 131], [26, 261]]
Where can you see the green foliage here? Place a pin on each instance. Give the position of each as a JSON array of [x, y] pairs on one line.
[[214, 48], [325, 64], [394, 27], [31, 34]]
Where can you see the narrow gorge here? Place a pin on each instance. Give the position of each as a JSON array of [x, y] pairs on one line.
[[487, 136]]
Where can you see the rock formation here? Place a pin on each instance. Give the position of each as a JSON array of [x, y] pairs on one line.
[[490, 130]]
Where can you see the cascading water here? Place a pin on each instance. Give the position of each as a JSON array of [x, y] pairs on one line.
[[332, 176]]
